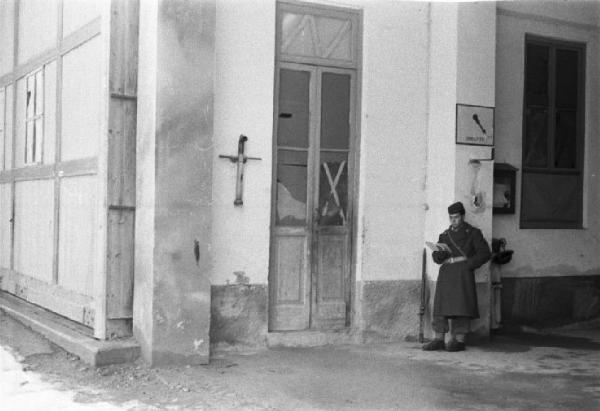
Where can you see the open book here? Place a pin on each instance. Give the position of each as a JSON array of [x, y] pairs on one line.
[[438, 246]]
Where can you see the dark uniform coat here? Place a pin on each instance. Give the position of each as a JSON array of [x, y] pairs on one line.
[[455, 293]]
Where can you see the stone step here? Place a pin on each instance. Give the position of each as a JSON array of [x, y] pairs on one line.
[[69, 335], [312, 338]]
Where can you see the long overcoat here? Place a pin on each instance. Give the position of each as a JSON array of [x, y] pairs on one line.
[[455, 293]]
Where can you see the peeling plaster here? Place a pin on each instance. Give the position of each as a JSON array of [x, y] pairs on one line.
[[197, 344], [241, 277]]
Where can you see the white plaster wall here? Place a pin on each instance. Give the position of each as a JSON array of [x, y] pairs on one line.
[[393, 133], [577, 11], [393, 139], [476, 86], [245, 44], [461, 70], [7, 21], [143, 303], [476, 53], [442, 89], [546, 252]]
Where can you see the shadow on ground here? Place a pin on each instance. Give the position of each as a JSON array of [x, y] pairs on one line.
[[522, 342]]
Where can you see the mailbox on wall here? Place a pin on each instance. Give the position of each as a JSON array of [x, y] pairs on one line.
[[504, 188]]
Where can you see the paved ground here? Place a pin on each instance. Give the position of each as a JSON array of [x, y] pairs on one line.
[[526, 372]]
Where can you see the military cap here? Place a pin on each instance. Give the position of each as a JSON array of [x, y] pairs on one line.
[[456, 208]]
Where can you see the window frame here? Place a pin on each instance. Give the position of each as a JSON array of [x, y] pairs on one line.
[[34, 144], [551, 169]]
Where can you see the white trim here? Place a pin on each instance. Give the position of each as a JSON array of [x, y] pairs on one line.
[[547, 20]]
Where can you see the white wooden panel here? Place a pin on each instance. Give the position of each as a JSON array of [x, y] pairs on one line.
[[81, 101], [76, 234], [20, 125], [49, 113], [76, 13], [2, 125], [7, 14], [5, 231], [49, 296], [38, 23], [8, 128], [34, 228]]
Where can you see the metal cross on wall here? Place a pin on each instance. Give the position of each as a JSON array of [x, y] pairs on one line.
[[240, 159]]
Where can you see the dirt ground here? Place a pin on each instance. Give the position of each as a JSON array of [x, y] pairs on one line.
[[547, 374], [199, 387]]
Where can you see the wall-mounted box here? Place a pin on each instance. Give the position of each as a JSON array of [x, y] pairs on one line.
[[504, 188]]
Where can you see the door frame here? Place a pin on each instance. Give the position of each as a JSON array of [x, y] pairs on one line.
[[354, 145]]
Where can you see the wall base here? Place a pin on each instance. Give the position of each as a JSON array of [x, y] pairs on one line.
[[71, 336], [239, 315], [550, 301], [390, 309]]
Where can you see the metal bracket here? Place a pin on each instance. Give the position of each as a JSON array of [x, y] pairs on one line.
[[477, 161]]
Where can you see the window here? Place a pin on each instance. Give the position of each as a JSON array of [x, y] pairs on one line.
[[34, 118], [553, 130]]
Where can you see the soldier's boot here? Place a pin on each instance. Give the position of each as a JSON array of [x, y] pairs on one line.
[[435, 345]]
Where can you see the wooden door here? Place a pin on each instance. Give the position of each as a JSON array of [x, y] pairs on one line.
[[309, 273]]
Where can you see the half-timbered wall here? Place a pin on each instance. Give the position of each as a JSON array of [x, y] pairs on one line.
[[66, 141]]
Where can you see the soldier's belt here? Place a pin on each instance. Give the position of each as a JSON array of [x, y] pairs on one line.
[[453, 260]]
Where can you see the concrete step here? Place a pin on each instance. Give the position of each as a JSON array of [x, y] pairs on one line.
[[69, 335], [312, 338]]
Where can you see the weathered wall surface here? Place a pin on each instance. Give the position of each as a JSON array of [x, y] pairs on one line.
[[239, 315], [174, 206], [245, 44], [541, 253], [550, 301], [143, 301], [391, 309]]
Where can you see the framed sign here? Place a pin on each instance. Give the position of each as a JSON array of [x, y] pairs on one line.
[[474, 125]]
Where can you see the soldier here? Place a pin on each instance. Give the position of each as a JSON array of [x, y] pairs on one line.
[[455, 293]]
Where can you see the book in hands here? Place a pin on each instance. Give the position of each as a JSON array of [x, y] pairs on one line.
[[438, 246]]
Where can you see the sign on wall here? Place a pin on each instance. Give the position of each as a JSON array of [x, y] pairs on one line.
[[474, 125]]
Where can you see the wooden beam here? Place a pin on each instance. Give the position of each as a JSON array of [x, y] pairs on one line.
[[13, 129], [57, 141], [100, 274], [76, 39], [71, 168], [70, 304]]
